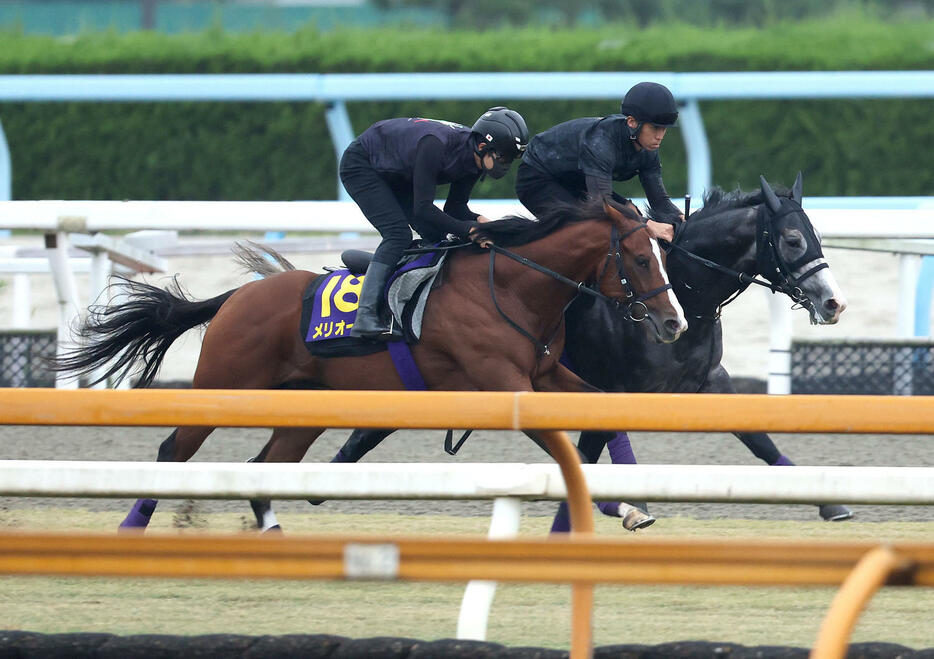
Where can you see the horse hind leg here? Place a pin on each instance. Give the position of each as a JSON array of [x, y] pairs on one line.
[[177, 447], [285, 445]]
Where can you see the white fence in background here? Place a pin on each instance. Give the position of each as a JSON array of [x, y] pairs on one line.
[[907, 228]]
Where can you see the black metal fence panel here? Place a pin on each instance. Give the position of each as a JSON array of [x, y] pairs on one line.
[[896, 367], [21, 358]]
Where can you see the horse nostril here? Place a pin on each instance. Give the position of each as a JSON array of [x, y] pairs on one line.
[[673, 325], [834, 307]]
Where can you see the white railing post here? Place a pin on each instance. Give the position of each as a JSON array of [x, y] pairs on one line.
[[68, 307], [908, 267], [478, 596], [97, 294]]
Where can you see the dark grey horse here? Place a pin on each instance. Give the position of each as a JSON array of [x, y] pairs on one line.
[[729, 236], [735, 240]]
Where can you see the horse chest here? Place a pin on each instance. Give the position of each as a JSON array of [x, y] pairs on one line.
[[680, 367]]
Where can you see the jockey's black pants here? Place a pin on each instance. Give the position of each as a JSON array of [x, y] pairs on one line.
[[386, 204], [539, 191]]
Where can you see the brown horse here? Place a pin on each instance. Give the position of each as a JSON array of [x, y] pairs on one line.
[[467, 344]]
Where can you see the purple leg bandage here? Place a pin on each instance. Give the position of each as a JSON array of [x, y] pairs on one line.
[[562, 522], [783, 461], [609, 508], [140, 514], [621, 450]]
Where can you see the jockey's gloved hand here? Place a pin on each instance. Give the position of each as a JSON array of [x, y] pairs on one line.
[[477, 236]]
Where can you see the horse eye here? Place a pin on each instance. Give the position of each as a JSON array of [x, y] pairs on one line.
[[795, 239], [642, 261]]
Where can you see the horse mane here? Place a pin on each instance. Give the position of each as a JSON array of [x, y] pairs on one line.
[[717, 201], [515, 230]]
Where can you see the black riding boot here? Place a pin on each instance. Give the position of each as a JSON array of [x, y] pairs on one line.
[[368, 323]]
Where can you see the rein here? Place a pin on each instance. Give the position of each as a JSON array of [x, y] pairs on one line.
[[580, 287]]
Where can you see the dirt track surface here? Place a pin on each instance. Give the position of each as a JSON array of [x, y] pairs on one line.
[[234, 445]]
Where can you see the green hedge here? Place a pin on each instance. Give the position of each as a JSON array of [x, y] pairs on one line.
[[283, 151]]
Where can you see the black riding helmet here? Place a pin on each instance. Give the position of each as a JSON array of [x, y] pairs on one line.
[[651, 102], [504, 131]]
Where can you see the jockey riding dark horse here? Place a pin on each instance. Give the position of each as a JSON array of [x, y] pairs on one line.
[[581, 158], [392, 171]]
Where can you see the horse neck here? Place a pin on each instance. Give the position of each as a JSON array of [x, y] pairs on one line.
[[574, 251], [727, 238]]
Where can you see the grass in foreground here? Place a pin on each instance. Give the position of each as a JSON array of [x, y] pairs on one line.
[[521, 615]]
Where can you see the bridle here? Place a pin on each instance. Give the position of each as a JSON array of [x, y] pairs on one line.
[[636, 303], [635, 309], [778, 274], [769, 261]]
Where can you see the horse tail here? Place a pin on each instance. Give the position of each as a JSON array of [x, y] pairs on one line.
[[140, 329], [260, 259]]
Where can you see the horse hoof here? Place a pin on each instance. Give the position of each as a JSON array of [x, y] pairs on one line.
[[635, 519], [835, 513], [272, 529]]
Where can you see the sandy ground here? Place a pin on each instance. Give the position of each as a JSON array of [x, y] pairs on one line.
[[869, 280]]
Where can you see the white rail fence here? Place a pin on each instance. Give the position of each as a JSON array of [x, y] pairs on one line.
[[506, 484], [709, 483]]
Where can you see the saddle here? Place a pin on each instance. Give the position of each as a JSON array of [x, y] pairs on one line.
[[329, 304]]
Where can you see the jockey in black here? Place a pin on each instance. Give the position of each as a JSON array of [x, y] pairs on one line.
[[392, 170], [581, 158]]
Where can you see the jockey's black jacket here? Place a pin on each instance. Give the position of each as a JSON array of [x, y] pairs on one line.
[[415, 155], [586, 155]]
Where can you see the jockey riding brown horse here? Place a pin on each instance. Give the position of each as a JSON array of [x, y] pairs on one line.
[[253, 339]]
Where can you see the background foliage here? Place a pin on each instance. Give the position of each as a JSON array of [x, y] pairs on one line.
[[283, 151]]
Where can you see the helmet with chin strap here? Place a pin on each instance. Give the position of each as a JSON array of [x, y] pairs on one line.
[[502, 130], [650, 102]]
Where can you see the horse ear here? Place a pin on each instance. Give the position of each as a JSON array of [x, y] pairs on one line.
[[624, 207], [797, 190], [771, 199], [611, 209]]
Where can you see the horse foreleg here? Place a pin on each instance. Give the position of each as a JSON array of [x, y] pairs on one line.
[[762, 446], [177, 447], [284, 445], [635, 515]]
